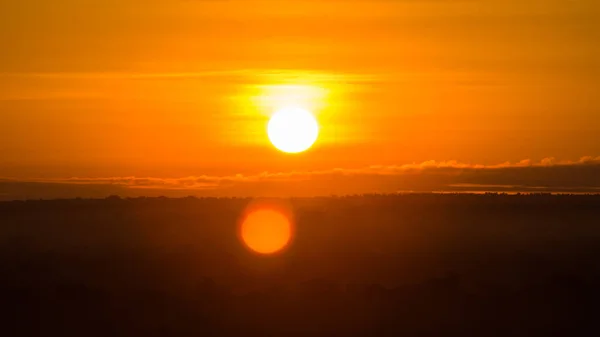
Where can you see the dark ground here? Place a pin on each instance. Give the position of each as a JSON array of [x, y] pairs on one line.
[[412, 265]]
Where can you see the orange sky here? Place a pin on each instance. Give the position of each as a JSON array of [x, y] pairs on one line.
[[172, 89]]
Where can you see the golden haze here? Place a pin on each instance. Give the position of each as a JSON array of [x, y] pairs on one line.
[[171, 89]]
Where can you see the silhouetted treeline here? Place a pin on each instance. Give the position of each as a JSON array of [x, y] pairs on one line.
[[371, 265]]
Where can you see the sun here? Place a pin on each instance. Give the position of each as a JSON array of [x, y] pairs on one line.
[[293, 130]]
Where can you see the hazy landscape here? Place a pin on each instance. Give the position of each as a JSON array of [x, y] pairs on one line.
[[299, 168], [396, 265]]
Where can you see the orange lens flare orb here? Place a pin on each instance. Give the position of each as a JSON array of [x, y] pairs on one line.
[[266, 229]]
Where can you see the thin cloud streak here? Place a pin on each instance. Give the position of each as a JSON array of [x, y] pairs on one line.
[[547, 175], [274, 75], [311, 74]]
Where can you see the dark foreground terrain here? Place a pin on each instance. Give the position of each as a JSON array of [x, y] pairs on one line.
[[412, 265]]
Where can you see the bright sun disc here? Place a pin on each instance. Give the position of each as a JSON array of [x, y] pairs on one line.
[[293, 130]]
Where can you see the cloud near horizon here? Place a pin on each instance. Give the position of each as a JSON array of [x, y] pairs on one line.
[[548, 175]]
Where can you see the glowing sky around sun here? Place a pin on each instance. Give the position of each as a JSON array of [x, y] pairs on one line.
[[170, 89]]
